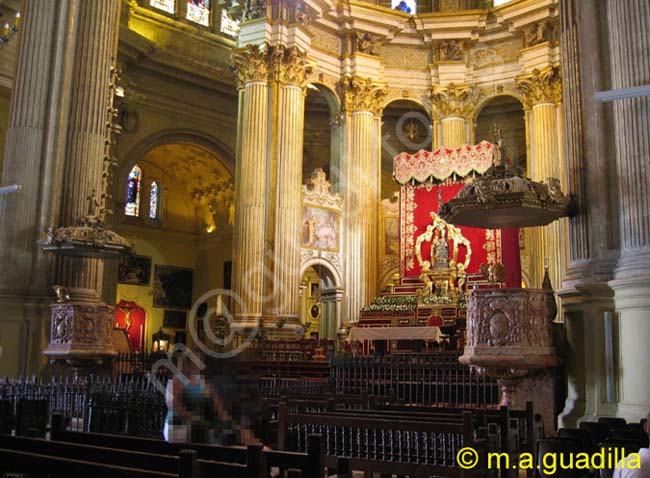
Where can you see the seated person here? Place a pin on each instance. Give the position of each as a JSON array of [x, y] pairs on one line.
[[631, 466]]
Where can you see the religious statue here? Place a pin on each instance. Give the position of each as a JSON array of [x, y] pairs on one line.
[[366, 43], [442, 271], [451, 50]]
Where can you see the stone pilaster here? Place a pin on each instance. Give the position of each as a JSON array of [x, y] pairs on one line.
[[289, 68], [95, 52], [249, 239], [629, 29], [454, 105], [542, 94], [363, 102]]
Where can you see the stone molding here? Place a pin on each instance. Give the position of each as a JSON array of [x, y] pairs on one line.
[[287, 65]]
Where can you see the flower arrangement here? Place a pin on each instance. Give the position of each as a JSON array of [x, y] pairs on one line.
[[392, 304], [436, 299]]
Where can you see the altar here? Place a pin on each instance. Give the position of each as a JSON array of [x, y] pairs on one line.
[[438, 261]]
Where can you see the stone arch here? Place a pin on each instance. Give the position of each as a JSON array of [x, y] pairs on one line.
[[328, 266], [486, 99], [221, 152]]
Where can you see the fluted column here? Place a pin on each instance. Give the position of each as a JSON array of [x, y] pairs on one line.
[[363, 102], [629, 30], [288, 73], [25, 147], [454, 105], [249, 239], [542, 93], [94, 57], [24, 277]]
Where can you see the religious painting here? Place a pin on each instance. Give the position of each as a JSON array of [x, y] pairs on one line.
[[173, 287], [134, 270], [132, 318], [320, 229], [391, 236], [175, 319]]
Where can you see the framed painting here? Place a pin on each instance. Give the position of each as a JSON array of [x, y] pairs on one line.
[[134, 270], [175, 319], [320, 228], [172, 287], [180, 337]]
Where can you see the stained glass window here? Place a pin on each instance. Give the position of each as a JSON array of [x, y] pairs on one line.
[[228, 25], [154, 200], [199, 11], [168, 6], [132, 207], [406, 6]]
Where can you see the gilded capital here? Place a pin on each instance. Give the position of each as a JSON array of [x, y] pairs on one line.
[[453, 100], [361, 94], [250, 64], [541, 86], [288, 65]]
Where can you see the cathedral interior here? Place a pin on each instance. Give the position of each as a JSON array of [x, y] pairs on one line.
[[437, 204]]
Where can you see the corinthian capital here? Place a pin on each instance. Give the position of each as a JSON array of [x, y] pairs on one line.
[[288, 65], [361, 94], [541, 86], [453, 100], [250, 64]]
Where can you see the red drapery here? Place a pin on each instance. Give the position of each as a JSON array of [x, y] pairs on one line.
[[417, 203], [131, 316]]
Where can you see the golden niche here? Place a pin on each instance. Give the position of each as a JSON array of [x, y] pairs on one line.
[[443, 275]]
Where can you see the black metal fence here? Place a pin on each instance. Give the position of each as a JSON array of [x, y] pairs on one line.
[[126, 405], [428, 379]]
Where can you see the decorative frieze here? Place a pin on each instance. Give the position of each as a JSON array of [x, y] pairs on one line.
[[450, 50], [362, 94], [541, 86]]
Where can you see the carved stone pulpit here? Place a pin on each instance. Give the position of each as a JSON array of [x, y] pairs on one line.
[[510, 338], [81, 333]]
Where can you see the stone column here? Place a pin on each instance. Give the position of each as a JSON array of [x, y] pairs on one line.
[[454, 105], [249, 239], [289, 67], [542, 93], [593, 230], [92, 95], [24, 290], [629, 30], [363, 101]]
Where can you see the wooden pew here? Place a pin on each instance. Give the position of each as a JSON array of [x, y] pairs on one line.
[[51, 464], [133, 459], [310, 464], [380, 444]]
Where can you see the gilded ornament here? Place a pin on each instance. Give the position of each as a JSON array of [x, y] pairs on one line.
[[361, 94], [541, 86], [454, 100]]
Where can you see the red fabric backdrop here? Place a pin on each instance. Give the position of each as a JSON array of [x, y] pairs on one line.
[[416, 205], [138, 318]]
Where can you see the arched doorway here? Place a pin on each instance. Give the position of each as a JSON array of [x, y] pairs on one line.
[[175, 203], [320, 299], [507, 113], [406, 127], [322, 143]]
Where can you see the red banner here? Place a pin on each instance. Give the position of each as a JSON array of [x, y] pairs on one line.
[[488, 245]]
